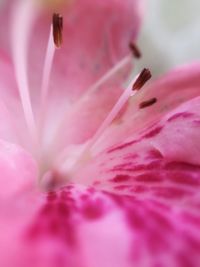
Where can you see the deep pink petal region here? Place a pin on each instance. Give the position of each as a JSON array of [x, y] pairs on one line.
[[79, 226]]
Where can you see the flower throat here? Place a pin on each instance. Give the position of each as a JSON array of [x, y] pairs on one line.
[[23, 18]]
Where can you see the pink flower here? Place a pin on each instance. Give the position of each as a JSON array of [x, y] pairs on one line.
[[72, 195]]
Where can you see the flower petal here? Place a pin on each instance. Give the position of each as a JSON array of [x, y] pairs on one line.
[[79, 226], [10, 106], [142, 211], [18, 170], [171, 90], [157, 171], [96, 36]]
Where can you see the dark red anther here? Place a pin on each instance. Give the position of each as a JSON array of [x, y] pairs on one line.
[[135, 50], [148, 103], [57, 22], [143, 77]]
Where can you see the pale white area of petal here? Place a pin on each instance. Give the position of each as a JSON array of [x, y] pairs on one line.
[[18, 170], [107, 241]]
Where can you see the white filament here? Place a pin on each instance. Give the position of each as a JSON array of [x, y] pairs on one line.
[[47, 68], [108, 75], [86, 152], [120, 65], [113, 113], [48, 62], [22, 22]]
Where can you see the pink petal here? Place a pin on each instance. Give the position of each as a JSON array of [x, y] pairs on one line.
[[143, 209], [96, 36], [12, 127], [85, 54], [18, 170], [171, 90], [78, 226]]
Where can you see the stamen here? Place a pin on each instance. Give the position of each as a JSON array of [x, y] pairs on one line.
[[111, 116], [47, 67], [48, 62], [135, 50], [57, 22], [148, 103], [144, 76], [119, 66], [140, 80], [23, 17]]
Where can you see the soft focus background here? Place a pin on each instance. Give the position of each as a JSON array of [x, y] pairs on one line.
[[170, 34]]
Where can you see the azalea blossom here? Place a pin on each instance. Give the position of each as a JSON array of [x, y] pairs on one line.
[[95, 171]]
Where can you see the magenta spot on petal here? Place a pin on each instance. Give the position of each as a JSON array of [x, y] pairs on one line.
[[122, 187], [192, 242], [156, 164], [34, 231], [93, 209], [64, 195], [84, 197], [183, 115], [161, 221], [63, 209], [139, 189], [184, 178], [96, 183], [184, 260], [196, 122], [149, 177], [131, 156], [55, 219], [53, 227], [136, 221], [137, 167], [116, 198], [157, 242], [121, 178], [153, 132], [47, 209], [191, 218], [120, 147], [181, 166], [69, 234], [154, 154], [129, 167], [51, 196], [171, 192]]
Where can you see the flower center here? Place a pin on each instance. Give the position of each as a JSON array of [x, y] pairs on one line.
[[23, 19]]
